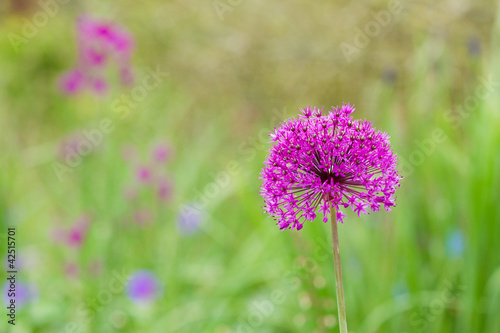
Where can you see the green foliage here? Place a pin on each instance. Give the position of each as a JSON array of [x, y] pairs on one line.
[[230, 81]]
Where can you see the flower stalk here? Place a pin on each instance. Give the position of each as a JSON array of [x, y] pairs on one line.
[[338, 273]]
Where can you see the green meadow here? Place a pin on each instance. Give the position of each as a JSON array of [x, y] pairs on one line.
[[212, 79]]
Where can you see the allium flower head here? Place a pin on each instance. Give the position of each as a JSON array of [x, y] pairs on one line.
[[323, 159]]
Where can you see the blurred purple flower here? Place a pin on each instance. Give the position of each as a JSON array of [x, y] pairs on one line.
[[164, 189], [150, 174], [144, 174], [104, 39], [99, 43], [143, 287], [90, 57], [24, 293], [108, 35], [72, 81], [189, 219], [75, 235], [161, 153]]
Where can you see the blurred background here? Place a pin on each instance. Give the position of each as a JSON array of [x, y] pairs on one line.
[[136, 206]]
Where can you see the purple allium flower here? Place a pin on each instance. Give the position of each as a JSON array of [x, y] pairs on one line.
[[189, 219], [327, 159], [143, 286]]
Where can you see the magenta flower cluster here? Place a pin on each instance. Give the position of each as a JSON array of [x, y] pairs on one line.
[[327, 159], [99, 45], [75, 235]]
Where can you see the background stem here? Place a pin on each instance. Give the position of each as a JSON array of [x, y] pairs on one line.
[[338, 273]]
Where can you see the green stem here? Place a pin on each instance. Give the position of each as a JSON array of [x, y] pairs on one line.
[[338, 273]]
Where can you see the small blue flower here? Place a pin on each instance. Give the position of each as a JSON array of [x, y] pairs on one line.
[[143, 287], [454, 244]]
